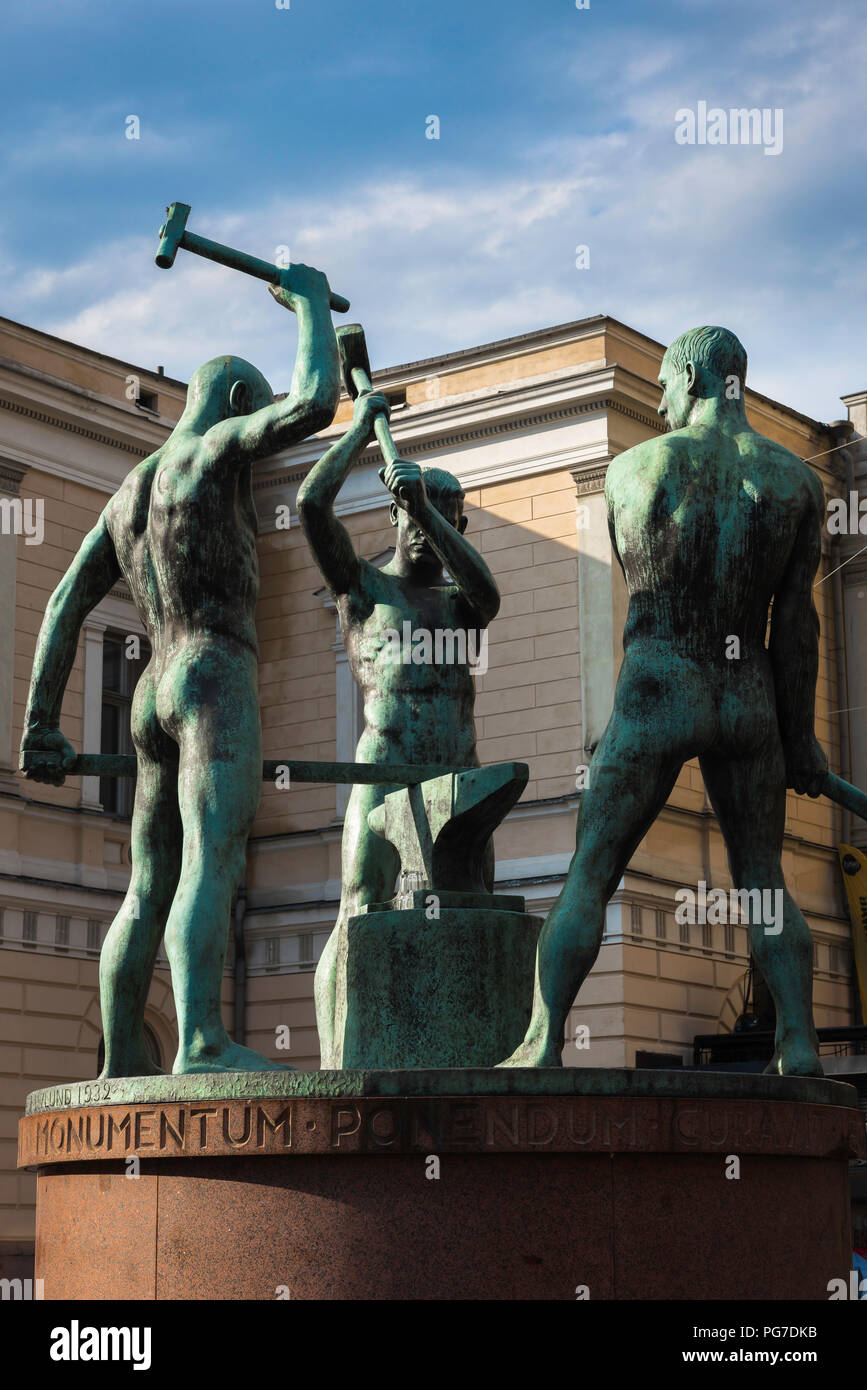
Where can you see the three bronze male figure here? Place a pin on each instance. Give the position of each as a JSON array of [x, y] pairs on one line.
[[712, 525]]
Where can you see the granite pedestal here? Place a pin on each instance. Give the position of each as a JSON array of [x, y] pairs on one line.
[[443, 1184]]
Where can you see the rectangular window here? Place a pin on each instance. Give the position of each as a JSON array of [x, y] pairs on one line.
[[61, 934], [124, 657]]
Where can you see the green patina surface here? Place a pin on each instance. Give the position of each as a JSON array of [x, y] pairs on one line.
[[422, 990], [181, 530], [414, 712], [297, 770], [440, 828], [711, 524], [454, 1081]]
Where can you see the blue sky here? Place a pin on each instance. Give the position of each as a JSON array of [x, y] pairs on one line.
[[306, 127]]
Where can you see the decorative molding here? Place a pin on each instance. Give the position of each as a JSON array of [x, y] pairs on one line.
[[58, 423], [372, 457], [589, 479], [11, 474]]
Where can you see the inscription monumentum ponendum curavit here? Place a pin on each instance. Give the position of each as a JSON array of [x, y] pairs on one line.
[[439, 1125]]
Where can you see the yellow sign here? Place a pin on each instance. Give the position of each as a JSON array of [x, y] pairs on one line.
[[854, 866]]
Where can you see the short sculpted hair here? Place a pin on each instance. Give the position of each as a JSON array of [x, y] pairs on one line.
[[715, 349], [442, 484]]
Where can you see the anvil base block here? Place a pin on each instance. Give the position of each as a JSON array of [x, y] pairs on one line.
[[452, 990], [537, 1192]]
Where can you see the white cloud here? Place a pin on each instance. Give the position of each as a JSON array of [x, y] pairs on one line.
[[97, 139], [677, 235]]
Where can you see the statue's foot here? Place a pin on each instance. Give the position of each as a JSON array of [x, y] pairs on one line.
[[773, 1067], [537, 1052], [228, 1056], [796, 1058], [139, 1065]]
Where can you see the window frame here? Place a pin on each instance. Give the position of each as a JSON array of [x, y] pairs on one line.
[[115, 613]]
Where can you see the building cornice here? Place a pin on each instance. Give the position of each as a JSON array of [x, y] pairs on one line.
[[11, 474], [449, 424], [455, 426], [59, 422]]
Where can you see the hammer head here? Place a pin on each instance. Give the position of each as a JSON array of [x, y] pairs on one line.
[[171, 234], [354, 358]]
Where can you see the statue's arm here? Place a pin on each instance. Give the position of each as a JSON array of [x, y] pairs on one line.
[[464, 564], [794, 650], [405, 482], [328, 539], [315, 390], [91, 575], [612, 526]]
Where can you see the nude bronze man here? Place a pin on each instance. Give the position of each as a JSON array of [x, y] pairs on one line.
[[711, 524], [181, 530], [414, 712]]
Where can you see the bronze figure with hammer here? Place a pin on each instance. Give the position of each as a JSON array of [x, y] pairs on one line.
[[181, 530]]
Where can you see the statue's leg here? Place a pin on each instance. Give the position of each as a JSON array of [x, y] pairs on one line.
[[369, 867], [129, 951], [216, 715], [631, 776], [749, 797]]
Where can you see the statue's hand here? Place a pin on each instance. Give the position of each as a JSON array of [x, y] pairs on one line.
[[806, 766], [367, 406], [41, 739], [405, 483], [301, 283]]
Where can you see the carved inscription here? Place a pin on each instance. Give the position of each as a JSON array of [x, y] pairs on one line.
[[502, 1124], [164, 1130]]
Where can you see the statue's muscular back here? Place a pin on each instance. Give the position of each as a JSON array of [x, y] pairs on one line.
[[705, 522], [184, 532]]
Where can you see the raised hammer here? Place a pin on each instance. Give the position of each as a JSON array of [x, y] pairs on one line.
[[356, 375], [174, 234]]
